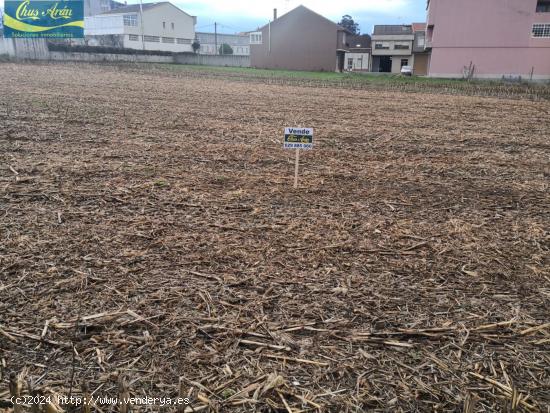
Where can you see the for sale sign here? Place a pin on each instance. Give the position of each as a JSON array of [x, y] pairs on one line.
[[298, 138]]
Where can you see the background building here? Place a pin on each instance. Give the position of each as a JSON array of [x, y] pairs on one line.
[[163, 26], [211, 42], [299, 40], [392, 48], [93, 7], [358, 54], [489, 38], [421, 56]]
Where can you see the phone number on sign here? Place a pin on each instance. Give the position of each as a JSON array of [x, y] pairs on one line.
[[298, 145]]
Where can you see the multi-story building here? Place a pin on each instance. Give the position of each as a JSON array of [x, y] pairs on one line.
[[489, 38], [392, 48], [150, 26], [93, 7], [211, 42], [421, 56]]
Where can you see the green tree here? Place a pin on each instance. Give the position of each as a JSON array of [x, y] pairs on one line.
[[347, 22], [226, 49], [196, 46]]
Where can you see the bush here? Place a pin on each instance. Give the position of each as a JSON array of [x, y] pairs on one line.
[[57, 47], [226, 49]]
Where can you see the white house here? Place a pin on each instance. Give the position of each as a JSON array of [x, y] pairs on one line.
[[211, 42], [357, 58], [161, 26]]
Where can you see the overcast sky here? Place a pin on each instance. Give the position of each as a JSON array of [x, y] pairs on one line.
[[246, 15]]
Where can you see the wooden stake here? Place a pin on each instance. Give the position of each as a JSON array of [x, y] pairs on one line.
[[15, 391], [181, 394], [87, 398], [123, 395], [296, 167], [35, 408]]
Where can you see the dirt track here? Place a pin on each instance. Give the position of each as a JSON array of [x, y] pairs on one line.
[[408, 273]]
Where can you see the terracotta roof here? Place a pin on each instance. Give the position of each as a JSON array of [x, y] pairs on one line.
[[419, 27]]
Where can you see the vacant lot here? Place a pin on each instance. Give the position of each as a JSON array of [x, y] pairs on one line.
[[149, 230]]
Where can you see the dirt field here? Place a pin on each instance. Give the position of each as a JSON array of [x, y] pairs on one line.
[[148, 221]]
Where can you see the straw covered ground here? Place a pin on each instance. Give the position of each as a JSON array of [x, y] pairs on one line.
[[150, 236]]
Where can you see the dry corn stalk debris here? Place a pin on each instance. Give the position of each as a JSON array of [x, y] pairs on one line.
[[151, 243]]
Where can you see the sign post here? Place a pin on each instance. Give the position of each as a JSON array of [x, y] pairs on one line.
[[298, 138]]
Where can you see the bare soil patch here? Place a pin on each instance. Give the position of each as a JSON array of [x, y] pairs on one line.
[[148, 222]]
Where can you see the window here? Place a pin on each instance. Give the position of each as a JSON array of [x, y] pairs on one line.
[[168, 40], [256, 38], [541, 30], [130, 20], [164, 25], [350, 63], [404, 62], [105, 5], [380, 46], [401, 47], [543, 6], [133, 37], [184, 41], [421, 41], [151, 39], [172, 26]]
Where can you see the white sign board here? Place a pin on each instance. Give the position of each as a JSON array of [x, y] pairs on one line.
[[298, 138]]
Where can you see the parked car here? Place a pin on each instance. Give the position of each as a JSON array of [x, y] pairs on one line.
[[407, 70]]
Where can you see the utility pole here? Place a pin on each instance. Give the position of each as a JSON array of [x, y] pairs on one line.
[[216, 36], [141, 23]]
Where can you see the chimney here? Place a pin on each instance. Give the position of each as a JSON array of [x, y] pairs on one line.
[[274, 14]]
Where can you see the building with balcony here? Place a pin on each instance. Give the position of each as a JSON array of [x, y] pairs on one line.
[[94, 7], [421, 56], [489, 39], [392, 48], [150, 26]]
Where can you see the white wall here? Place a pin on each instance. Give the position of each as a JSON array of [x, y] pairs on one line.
[[153, 19], [103, 25], [208, 60], [24, 48], [210, 49], [361, 62], [6, 47]]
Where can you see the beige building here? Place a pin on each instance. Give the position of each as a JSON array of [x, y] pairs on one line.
[[392, 48], [299, 40], [161, 26]]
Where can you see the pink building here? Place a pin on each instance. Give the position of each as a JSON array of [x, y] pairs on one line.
[[489, 38]]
